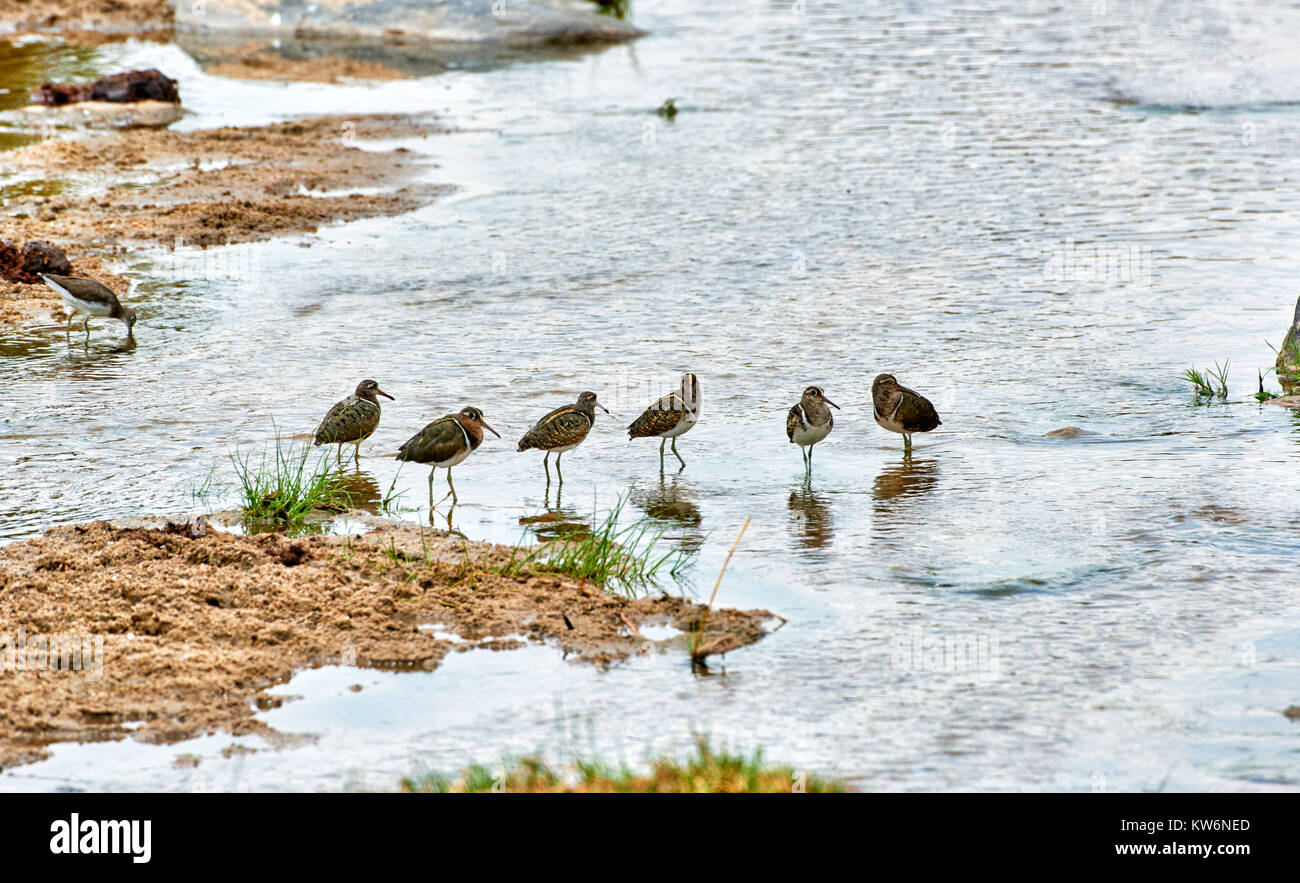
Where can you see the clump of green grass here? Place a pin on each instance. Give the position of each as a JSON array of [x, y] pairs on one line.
[[627, 559], [284, 488], [1209, 383], [1263, 396], [202, 492], [705, 771]]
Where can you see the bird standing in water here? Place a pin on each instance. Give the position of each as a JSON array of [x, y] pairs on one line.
[[562, 430], [673, 415], [901, 410], [352, 420], [809, 422], [446, 442], [91, 299]]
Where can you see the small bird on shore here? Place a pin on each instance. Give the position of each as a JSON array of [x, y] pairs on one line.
[[562, 430], [673, 415], [809, 422], [901, 410], [90, 298], [446, 442], [352, 420]]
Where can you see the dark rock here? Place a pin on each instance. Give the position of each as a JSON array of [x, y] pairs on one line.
[[143, 85], [43, 257]]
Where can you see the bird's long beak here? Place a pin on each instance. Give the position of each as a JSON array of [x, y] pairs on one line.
[[384, 394], [602, 407], [489, 429], [832, 404]]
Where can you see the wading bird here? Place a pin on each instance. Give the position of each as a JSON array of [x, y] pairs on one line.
[[901, 410], [90, 298], [562, 430], [673, 415], [352, 420], [446, 442], [809, 422]]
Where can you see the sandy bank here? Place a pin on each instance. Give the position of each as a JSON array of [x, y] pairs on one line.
[[211, 187], [196, 623]]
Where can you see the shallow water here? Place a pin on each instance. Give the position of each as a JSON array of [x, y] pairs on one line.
[[865, 188]]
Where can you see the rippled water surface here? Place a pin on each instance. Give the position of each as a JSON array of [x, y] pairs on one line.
[[869, 187]]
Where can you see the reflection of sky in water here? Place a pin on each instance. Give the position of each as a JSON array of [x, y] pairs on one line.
[[835, 199]]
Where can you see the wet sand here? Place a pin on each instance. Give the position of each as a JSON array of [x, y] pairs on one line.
[[150, 187], [87, 20], [196, 623]]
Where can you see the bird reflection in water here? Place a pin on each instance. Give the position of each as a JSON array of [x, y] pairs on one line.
[[810, 517], [363, 491], [555, 521], [901, 482], [668, 501]]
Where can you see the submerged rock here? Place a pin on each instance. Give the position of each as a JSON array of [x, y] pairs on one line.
[[139, 85], [1288, 356], [1069, 432]]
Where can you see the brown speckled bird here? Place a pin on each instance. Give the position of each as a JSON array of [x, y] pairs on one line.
[[673, 415], [809, 422], [352, 420], [90, 298], [901, 410], [446, 442], [562, 430]]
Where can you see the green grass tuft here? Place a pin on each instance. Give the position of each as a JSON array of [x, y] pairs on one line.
[[1209, 383], [284, 488], [705, 771], [626, 559]]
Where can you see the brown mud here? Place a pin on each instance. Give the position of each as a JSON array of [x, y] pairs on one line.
[[204, 188], [93, 20], [197, 623]]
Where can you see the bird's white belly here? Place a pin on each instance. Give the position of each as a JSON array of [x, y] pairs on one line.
[[885, 423], [683, 426], [459, 458], [810, 435], [563, 449], [81, 306]]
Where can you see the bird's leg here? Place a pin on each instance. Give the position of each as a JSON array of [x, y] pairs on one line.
[[546, 457], [662, 442], [68, 331], [557, 467], [810, 450], [452, 492], [431, 472], [907, 441], [338, 454], [677, 455], [86, 326], [356, 455]]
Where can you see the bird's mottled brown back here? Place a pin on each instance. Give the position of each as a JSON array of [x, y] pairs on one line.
[[660, 417], [560, 428], [351, 420], [905, 407]]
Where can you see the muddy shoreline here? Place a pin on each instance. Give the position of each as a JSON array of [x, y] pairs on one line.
[[193, 624], [154, 187]]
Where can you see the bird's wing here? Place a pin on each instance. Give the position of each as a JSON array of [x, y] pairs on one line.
[[662, 416], [563, 426], [439, 441], [793, 421], [915, 413], [350, 420], [87, 290]]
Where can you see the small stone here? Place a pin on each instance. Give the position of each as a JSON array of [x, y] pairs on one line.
[[1069, 432]]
